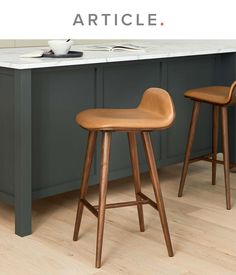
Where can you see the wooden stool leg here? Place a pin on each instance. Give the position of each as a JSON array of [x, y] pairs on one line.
[[215, 118], [105, 153], [225, 140], [84, 185], [157, 189], [136, 176], [191, 135]]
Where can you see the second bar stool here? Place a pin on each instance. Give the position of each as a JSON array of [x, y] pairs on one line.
[[220, 97], [155, 112]]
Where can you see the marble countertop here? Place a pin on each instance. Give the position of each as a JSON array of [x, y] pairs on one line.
[[10, 57]]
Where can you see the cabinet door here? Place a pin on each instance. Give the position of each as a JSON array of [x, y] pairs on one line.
[[59, 144], [184, 74], [124, 85]]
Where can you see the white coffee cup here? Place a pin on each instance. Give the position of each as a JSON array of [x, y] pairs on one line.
[[60, 47]]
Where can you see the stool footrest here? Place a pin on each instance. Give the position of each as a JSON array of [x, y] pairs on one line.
[[145, 200], [209, 159], [124, 204], [204, 157]]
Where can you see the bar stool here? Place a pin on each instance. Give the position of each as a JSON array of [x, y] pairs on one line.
[[220, 97], [155, 112]]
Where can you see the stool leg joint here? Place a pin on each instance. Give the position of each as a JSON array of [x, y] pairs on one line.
[[150, 201], [90, 207]]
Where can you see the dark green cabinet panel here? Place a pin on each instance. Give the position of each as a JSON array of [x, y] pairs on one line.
[[58, 143], [7, 134], [48, 146], [184, 74], [40, 140]]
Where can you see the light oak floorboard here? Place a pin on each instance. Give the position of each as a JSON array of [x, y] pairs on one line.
[[203, 232]]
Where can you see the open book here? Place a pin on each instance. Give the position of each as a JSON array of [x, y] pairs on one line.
[[121, 47]]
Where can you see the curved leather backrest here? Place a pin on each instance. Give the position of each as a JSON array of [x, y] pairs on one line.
[[158, 101], [232, 92]]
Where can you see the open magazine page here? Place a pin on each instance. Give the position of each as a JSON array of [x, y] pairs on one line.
[[120, 47]]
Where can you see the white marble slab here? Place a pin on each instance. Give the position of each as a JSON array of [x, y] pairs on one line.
[[10, 58]]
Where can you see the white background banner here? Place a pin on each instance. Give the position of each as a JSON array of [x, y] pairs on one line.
[[118, 19]]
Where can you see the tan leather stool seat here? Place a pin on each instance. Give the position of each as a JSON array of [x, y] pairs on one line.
[[121, 118], [213, 94], [154, 112], [220, 97]]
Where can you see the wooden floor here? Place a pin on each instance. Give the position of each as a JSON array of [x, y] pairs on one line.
[[203, 232]]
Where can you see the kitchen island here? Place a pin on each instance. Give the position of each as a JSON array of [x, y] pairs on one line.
[[42, 148]]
